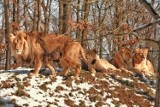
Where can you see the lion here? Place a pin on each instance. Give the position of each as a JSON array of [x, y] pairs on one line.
[[123, 58], [96, 63], [141, 63], [52, 44], [25, 48], [70, 49]]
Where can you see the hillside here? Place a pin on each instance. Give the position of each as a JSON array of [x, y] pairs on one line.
[[114, 89]]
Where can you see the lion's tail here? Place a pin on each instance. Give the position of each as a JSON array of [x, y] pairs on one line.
[[83, 55]]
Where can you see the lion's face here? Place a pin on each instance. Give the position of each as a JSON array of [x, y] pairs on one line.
[[18, 42], [141, 54]]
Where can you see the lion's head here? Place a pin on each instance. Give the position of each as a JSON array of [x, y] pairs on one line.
[[91, 56], [141, 54], [19, 42]]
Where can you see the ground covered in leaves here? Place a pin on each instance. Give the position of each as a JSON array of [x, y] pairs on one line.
[[115, 89]]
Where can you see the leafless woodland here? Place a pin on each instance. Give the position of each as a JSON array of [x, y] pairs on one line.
[[105, 25]]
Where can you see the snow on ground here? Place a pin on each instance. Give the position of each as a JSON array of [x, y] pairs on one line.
[[115, 89]]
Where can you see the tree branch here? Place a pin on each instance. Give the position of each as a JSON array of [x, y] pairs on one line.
[[146, 25], [150, 9]]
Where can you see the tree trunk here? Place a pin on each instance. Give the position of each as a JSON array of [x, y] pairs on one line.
[[18, 11], [60, 16], [25, 18], [86, 14], [7, 32], [46, 10], [35, 16], [65, 18], [157, 96], [78, 32], [39, 16], [119, 18], [98, 32], [14, 11]]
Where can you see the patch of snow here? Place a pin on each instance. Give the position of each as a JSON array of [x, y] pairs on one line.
[[109, 102], [127, 79], [51, 96]]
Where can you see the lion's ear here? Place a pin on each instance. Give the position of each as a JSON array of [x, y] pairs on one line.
[[146, 50], [11, 38]]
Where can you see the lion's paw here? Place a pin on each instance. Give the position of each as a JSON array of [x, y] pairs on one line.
[[33, 74], [75, 78], [52, 76]]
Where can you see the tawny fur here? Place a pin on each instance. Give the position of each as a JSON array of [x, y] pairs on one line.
[[54, 43], [95, 62], [141, 63], [123, 58], [25, 48], [71, 52]]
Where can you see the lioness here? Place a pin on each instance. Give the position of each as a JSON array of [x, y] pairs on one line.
[[141, 63], [95, 62], [25, 48], [123, 58], [71, 52]]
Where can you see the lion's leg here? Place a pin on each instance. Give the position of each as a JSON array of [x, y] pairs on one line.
[[65, 66], [92, 70], [51, 68], [65, 71], [77, 71], [38, 64], [76, 66]]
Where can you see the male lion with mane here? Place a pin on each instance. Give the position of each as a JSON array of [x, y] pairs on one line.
[[25, 48], [71, 51]]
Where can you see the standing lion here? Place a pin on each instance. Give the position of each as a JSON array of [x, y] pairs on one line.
[[71, 51], [25, 48]]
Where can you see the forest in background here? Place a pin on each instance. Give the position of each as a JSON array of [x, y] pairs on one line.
[[106, 25]]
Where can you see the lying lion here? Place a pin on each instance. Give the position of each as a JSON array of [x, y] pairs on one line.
[[98, 64], [123, 58], [141, 63], [71, 52], [25, 48]]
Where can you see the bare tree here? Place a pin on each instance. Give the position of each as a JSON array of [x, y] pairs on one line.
[[60, 15], [39, 15], [25, 17], [86, 8], [47, 13], [78, 32], [66, 16], [7, 32], [150, 9], [35, 15]]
